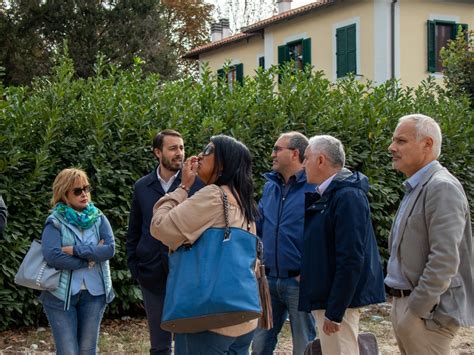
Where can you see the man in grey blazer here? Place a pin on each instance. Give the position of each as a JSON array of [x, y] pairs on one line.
[[430, 270]]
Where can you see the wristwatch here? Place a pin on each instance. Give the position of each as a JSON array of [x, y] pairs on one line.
[[183, 186]]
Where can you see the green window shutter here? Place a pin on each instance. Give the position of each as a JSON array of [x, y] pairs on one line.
[[283, 54], [220, 73], [341, 53], [431, 25], [454, 31], [351, 48], [261, 62], [346, 50], [306, 43], [239, 73], [464, 28]]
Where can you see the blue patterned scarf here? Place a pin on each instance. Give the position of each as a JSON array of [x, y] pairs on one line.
[[85, 219]]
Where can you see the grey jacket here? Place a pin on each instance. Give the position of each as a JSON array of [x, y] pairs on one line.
[[436, 252]]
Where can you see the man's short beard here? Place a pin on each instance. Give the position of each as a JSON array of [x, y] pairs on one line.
[[168, 165]]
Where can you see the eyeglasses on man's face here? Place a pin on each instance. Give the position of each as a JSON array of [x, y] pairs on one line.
[[79, 190], [277, 149], [208, 150]]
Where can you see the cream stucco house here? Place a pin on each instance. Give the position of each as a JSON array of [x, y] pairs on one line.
[[374, 39]]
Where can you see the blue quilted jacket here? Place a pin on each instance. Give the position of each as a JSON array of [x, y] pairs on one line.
[[281, 223]]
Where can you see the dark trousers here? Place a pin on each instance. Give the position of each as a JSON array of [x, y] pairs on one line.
[[160, 340], [210, 343]]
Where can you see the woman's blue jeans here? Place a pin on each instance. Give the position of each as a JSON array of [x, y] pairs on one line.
[[210, 343], [76, 331]]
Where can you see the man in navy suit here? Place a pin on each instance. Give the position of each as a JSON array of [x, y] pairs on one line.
[[148, 257]]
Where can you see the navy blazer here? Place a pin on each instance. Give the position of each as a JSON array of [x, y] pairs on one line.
[[147, 257]]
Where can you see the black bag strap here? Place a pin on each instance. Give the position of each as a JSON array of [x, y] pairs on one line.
[[226, 210], [226, 214]]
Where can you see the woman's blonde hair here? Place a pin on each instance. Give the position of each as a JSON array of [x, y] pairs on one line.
[[64, 182]]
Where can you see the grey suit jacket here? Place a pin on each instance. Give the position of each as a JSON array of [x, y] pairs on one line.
[[435, 250]]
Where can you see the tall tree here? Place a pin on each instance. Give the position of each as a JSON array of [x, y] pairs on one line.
[[22, 50], [159, 32], [242, 13], [189, 27], [458, 64]]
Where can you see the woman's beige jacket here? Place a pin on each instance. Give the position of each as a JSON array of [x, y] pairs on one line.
[[179, 220]]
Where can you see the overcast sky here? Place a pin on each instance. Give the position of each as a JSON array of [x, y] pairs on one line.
[[294, 4], [298, 3], [236, 21]]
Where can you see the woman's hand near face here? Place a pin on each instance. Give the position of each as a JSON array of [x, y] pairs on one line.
[[189, 171]]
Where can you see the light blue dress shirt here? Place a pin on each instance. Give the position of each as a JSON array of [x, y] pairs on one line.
[[395, 278], [87, 278]]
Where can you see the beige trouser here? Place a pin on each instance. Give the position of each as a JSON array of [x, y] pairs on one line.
[[344, 342], [412, 334]]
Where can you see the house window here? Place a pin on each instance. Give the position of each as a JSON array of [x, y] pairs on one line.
[[346, 50], [439, 33], [261, 62], [296, 54], [234, 73], [299, 51]]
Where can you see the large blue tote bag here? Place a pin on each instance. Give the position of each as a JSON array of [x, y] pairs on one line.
[[212, 284]]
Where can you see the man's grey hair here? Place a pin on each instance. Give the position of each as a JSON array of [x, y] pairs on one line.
[[330, 147], [425, 126], [298, 141]]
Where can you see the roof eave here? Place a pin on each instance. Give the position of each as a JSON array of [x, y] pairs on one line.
[[291, 14], [195, 53], [257, 28]]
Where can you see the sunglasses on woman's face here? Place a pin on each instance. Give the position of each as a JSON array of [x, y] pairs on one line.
[[78, 190], [208, 150]]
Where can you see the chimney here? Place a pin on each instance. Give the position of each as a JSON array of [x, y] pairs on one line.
[[216, 31], [225, 27], [284, 5]]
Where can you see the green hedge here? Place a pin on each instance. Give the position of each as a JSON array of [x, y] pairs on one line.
[[105, 125]]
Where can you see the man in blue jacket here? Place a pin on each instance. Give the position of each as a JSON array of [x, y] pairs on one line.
[[148, 257], [340, 268], [281, 230]]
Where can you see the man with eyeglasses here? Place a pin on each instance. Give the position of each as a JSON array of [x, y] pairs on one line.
[[148, 257], [281, 229]]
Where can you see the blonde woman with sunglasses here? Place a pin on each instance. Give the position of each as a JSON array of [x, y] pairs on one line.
[[78, 240]]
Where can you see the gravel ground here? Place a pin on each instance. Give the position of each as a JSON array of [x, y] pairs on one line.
[[130, 336]]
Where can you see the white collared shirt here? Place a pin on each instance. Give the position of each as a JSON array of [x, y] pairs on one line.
[[324, 185], [166, 184]]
